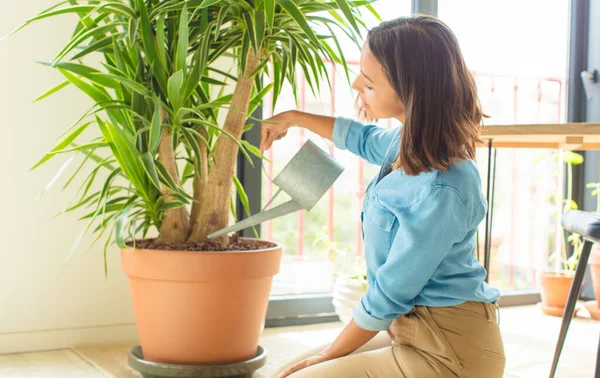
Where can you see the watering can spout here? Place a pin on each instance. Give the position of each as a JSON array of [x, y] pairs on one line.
[[306, 178], [277, 211]]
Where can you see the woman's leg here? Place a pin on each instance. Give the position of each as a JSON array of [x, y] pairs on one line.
[[378, 363]]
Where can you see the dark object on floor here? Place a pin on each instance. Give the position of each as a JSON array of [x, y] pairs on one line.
[[149, 369], [587, 225]]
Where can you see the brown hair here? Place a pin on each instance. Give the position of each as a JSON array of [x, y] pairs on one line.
[[425, 66]]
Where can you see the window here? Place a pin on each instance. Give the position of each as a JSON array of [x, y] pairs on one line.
[[519, 58]]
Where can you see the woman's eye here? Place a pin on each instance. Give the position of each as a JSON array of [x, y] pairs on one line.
[[368, 87]]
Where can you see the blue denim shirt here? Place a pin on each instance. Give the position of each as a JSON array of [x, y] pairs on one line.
[[419, 231]]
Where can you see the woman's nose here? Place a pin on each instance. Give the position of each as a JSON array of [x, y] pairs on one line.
[[356, 84]]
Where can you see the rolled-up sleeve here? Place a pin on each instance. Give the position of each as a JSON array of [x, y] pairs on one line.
[[370, 142], [425, 234]]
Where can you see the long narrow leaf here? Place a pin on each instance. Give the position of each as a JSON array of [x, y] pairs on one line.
[[64, 143], [182, 45], [52, 91]]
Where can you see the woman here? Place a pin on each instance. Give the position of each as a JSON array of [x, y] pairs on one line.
[[420, 214]]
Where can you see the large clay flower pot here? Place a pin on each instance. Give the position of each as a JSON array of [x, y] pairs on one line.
[[555, 288], [200, 307]]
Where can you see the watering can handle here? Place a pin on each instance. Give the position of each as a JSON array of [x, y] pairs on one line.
[[263, 216]]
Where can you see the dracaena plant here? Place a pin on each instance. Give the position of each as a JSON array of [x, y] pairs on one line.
[[158, 92]]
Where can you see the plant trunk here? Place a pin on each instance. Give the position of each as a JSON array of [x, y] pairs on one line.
[[213, 195], [175, 226], [200, 180]]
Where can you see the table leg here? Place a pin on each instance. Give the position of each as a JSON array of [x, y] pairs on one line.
[[490, 186]]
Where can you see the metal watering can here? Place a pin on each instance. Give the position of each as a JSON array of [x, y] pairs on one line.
[[306, 178]]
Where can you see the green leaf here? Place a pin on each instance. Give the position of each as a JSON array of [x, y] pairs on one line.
[[120, 227], [345, 8], [71, 9], [182, 45], [174, 89], [100, 205], [270, 12], [155, 129], [150, 47], [250, 28], [165, 176], [298, 16], [232, 207], [64, 143], [208, 3], [259, 28], [244, 52], [255, 151], [242, 195], [106, 244], [97, 94], [160, 39], [52, 91], [96, 46], [191, 141], [84, 35], [148, 163], [374, 12]]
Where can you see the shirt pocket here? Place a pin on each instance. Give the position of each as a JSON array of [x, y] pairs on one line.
[[378, 223]]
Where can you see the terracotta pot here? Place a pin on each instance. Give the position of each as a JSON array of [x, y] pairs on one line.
[[555, 288], [200, 307], [594, 263]]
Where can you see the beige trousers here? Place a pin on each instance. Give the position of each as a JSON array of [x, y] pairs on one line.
[[460, 341]]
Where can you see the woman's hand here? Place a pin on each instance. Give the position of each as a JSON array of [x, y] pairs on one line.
[[321, 357], [274, 129]]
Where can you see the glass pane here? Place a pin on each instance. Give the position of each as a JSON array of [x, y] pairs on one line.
[[308, 265], [519, 58]]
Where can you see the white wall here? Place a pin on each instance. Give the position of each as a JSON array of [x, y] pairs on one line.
[[42, 304]]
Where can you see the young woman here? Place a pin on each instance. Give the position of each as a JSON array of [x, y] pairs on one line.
[[420, 214]]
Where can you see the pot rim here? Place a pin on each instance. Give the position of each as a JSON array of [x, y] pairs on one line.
[[276, 247], [557, 273]]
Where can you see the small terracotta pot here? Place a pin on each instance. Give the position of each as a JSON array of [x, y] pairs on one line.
[[200, 308], [555, 288]]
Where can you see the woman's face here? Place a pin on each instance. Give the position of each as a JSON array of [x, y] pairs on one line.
[[377, 97]]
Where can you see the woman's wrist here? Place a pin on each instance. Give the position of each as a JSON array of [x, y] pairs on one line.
[[318, 124], [293, 118]]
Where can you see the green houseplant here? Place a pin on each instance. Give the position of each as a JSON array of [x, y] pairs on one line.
[[167, 154], [555, 284]]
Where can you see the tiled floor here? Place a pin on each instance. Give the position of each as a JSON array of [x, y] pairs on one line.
[[529, 341]]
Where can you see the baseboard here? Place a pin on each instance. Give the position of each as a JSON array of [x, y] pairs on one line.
[[51, 339]]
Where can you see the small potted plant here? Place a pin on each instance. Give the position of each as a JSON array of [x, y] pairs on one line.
[[349, 272], [594, 261], [555, 284]]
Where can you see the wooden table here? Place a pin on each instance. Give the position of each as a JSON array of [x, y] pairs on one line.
[[570, 136]]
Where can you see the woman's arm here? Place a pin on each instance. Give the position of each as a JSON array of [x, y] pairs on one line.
[[367, 141], [350, 339]]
